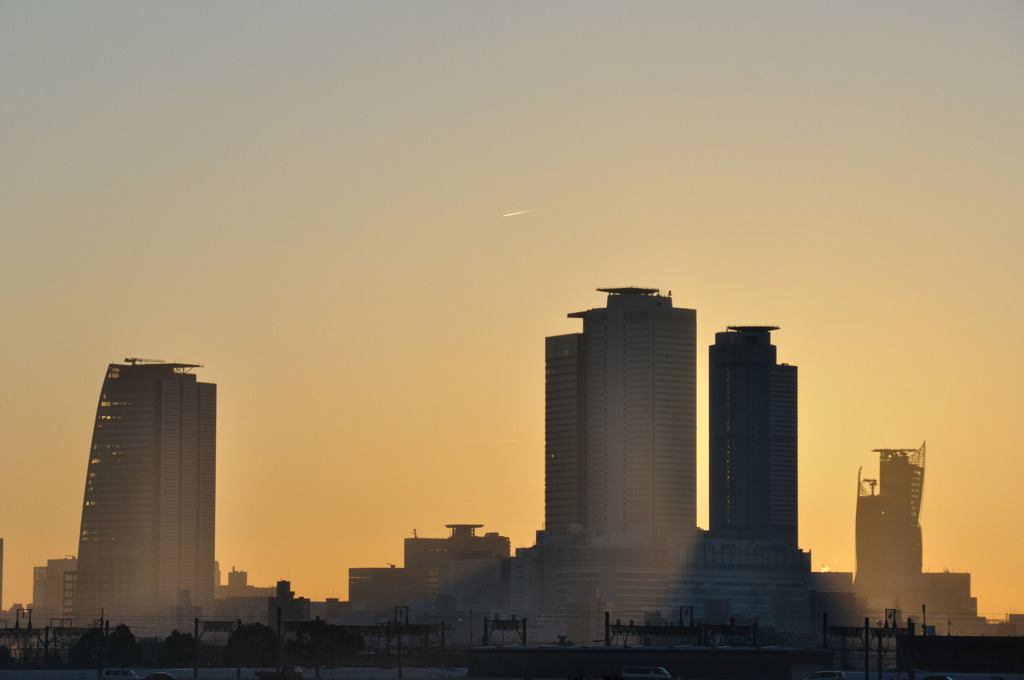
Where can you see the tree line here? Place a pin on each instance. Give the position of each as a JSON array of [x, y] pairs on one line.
[[315, 644]]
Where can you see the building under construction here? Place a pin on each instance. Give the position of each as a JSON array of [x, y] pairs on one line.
[[889, 550], [888, 520]]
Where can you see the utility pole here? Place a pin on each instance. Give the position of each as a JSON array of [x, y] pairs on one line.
[[195, 650], [442, 643], [279, 666], [867, 647], [879, 654], [398, 629]]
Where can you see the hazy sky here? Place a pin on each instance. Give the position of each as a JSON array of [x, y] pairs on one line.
[[308, 200]]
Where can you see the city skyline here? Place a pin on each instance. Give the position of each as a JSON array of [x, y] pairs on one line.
[[363, 220]]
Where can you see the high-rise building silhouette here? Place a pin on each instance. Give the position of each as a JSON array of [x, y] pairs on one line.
[[890, 552], [888, 543], [620, 482], [753, 438], [564, 470], [147, 534], [620, 451]]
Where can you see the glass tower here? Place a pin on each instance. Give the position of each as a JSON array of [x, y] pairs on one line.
[[147, 534], [620, 422], [753, 438]]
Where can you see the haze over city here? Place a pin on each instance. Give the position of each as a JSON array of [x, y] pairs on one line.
[[364, 219]]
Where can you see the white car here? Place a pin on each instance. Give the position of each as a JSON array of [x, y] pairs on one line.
[[118, 674], [826, 675], [645, 673]]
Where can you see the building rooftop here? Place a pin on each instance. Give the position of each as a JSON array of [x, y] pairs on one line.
[[154, 365], [753, 329], [629, 291]]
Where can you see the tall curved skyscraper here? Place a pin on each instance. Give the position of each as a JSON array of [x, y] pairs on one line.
[[147, 535]]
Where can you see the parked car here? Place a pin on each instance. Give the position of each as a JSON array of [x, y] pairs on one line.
[[826, 675], [159, 675], [645, 673], [118, 674]]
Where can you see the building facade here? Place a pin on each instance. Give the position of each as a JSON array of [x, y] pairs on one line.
[[48, 587], [889, 549], [620, 422], [147, 536], [888, 541], [620, 530], [441, 576], [564, 421], [753, 438], [620, 466]]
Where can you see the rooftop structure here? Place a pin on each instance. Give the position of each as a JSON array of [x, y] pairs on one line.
[[753, 329], [629, 291]]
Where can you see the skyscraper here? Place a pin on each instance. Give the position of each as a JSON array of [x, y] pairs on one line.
[[620, 451], [889, 545], [620, 476], [753, 438], [564, 471], [147, 535]]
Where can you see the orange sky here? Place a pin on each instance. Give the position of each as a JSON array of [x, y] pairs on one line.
[[308, 200]]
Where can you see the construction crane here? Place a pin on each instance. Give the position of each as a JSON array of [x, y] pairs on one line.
[[136, 360]]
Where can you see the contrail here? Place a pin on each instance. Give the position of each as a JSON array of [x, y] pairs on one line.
[[521, 212]]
